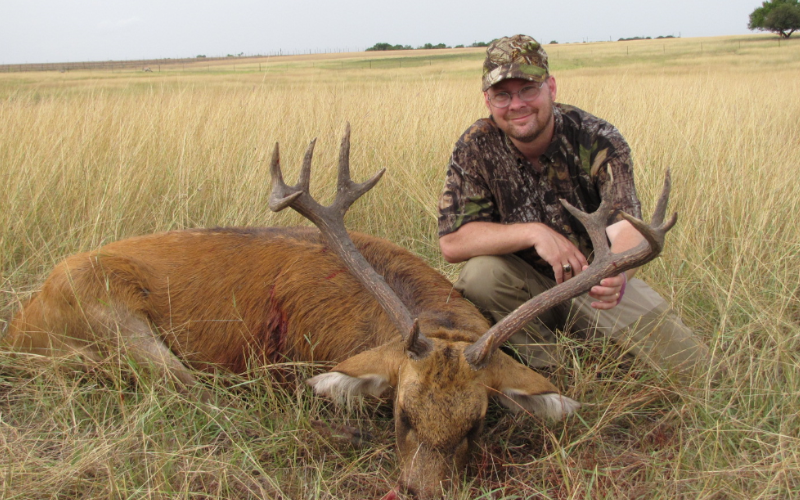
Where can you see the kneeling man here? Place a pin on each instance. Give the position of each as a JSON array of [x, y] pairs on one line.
[[500, 212]]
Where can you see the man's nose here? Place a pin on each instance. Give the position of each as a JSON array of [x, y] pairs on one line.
[[516, 101]]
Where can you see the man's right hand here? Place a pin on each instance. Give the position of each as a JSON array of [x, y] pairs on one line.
[[564, 257]]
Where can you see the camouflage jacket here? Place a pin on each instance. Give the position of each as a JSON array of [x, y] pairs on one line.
[[489, 180]]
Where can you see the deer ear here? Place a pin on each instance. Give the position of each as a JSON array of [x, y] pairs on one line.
[[522, 389], [370, 372]]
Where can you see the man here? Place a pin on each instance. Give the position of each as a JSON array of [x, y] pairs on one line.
[[500, 212]]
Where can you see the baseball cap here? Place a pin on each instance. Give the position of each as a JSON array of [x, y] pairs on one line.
[[518, 56]]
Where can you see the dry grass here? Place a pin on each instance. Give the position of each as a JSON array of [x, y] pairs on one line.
[[87, 158]]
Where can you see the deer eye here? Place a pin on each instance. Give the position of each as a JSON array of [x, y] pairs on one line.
[[405, 419], [475, 430]]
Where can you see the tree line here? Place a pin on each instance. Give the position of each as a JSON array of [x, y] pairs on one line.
[[778, 16], [389, 46]]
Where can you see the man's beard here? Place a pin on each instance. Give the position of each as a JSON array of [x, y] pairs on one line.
[[531, 134]]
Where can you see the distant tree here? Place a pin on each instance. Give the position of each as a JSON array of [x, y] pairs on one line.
[[460, 46], [432, 46], [201, 56], [389, 46], [479, 44], [777, 16], [553, 42], [381, 46]]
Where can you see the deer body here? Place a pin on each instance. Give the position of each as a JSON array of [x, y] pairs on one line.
[[224, 297]]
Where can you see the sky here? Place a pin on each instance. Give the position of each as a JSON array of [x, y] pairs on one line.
[[40, 31]]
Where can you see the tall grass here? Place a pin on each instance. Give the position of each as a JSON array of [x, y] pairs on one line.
[[88, 158]]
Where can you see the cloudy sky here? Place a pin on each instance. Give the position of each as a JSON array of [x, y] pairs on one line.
[[33, 31]]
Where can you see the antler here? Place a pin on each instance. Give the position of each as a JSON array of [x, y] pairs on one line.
[[330, 221], [605, 264]]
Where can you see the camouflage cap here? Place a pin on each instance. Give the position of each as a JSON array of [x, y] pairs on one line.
[[518, 56]]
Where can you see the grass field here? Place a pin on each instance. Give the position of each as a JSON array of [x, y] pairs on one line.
[[89, 157]]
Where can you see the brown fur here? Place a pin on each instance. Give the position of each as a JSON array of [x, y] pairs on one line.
[[220, 296]]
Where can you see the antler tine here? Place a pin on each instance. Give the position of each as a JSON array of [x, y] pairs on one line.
[[605, 264], [595, 223], [417, 346], [330, 221], [653, 235], [661, 206], [344, 160], [348, 191], [304, 182], [281, 196], [657, 230]]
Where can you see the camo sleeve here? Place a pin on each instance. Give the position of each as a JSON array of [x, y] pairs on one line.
[[620, 165], [466, 196]]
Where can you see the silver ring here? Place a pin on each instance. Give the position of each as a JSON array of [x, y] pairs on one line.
[[567, 268]]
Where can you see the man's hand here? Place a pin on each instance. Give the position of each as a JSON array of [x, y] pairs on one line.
[[609, 292], [562, 255]]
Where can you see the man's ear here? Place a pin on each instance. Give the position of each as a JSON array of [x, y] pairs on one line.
[[551, 84], [523, 389], [370, 372]]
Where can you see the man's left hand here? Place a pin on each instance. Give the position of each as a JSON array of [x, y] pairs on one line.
[[608, 292]]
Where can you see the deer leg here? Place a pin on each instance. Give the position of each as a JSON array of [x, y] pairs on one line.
[[88, 334], [128, 334]]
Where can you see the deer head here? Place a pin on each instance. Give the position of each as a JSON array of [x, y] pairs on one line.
[[442, 383]]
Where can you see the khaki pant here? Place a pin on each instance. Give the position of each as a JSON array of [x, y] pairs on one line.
[[642, 324]]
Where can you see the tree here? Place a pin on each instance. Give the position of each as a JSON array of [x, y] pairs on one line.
[[389, 46], [777, 16], [432, 46]]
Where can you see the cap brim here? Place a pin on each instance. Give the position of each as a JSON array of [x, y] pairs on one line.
[[508, 71]]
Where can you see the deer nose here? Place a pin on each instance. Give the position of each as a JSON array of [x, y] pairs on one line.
[[423, 492], [393, 494]]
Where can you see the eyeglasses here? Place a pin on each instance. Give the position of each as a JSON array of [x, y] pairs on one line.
[[527, 94]]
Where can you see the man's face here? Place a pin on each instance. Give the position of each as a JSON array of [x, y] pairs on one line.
[[523, 121]]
